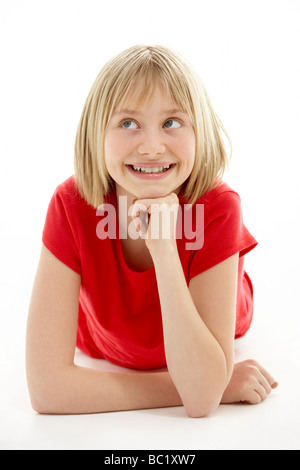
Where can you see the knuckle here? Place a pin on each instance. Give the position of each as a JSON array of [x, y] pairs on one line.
[[253, 398], [264, 396], [173, 198], [257, 400], [252, 362], [246, 389]]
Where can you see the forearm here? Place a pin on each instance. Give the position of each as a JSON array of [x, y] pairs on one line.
[[78, 390], [195, 360]]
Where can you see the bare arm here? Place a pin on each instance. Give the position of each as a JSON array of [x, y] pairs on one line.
[[58, 386], [198, 320], [198, 324]]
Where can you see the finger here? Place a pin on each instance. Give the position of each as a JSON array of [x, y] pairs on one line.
[[264, 372], [143, 204], [169, 200], [141, 222], [264, 383], [137, 208], [261, 391], [136, 222], [147, 207], [252, 398]]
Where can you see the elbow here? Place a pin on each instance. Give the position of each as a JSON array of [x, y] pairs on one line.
[[205, 401], [43, 402], [48, 406], [38, 403], [201, 406], [50, 388], [38, 406], [201, 410], [46, 396], [41, 394]]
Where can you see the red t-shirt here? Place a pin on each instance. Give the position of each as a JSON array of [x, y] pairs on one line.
[[119, 308]]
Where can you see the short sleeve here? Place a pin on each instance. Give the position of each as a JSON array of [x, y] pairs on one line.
[[224, 233], [59, 234]]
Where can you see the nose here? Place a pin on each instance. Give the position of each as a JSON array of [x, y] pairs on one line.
[[151, 143]]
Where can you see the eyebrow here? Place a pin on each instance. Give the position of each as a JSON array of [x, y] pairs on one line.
[[133, 111]]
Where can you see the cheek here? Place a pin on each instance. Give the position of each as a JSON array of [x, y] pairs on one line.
[[116, 148], [187, 149], [113, 150]]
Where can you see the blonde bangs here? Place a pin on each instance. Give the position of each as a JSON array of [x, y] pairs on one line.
[[136, 84]]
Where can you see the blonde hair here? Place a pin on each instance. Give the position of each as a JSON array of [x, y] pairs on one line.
[[151, 66]]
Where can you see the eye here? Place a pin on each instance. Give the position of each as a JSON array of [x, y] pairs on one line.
[[129, 124], [172, 124]]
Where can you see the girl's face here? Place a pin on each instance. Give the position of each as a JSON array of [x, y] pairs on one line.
[[150, 150]]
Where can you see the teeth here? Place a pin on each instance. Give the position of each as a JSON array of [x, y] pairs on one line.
[[158, 169]]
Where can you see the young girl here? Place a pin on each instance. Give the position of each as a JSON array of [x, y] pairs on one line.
[[131, 270]]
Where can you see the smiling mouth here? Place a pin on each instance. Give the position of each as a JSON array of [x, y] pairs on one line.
[[150, 170]]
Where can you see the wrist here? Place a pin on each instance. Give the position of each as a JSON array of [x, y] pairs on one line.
[[163, 251]]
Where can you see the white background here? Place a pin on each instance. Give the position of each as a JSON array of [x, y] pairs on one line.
[[247, 53]]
